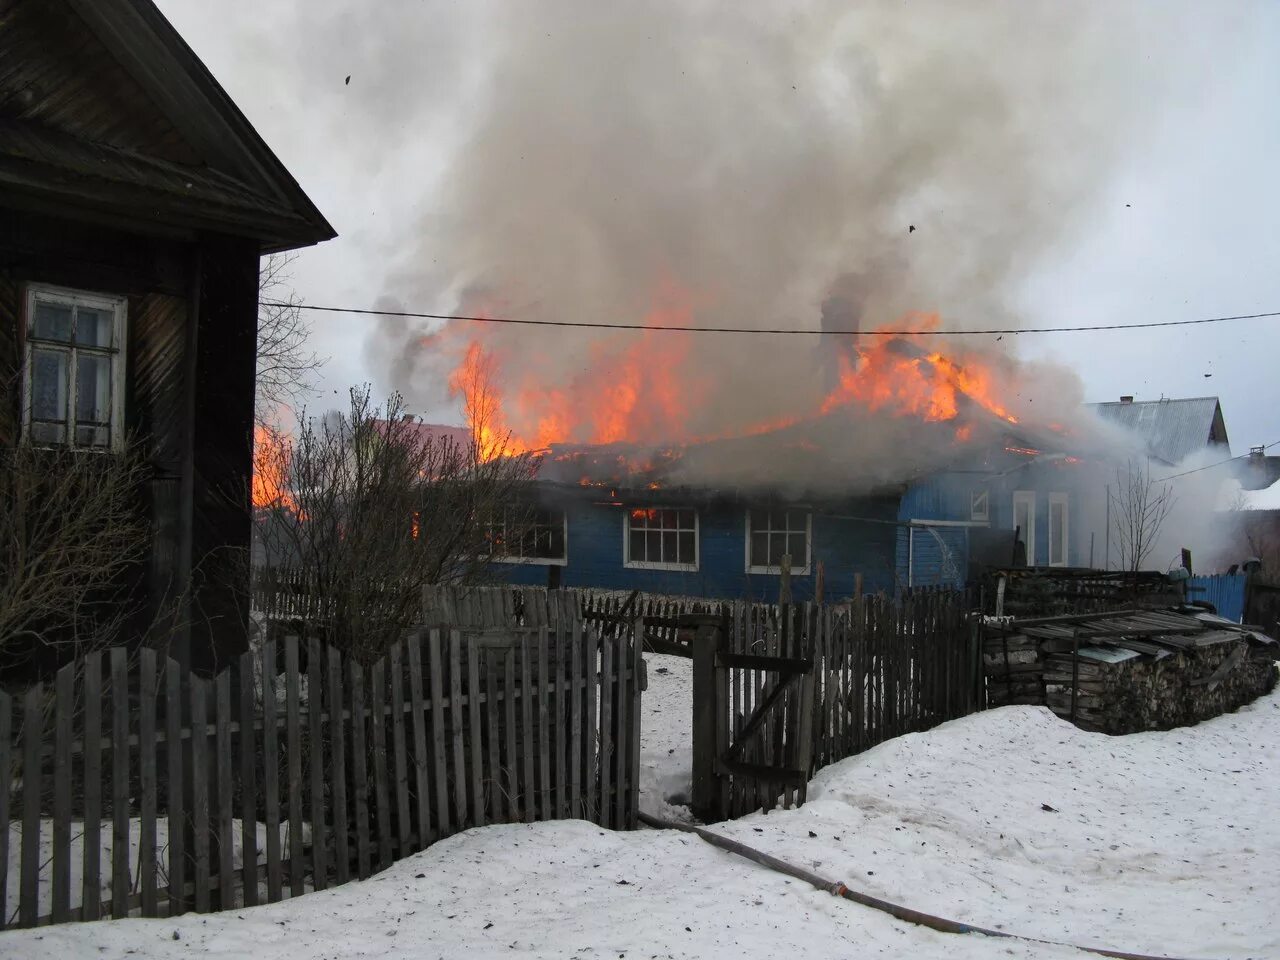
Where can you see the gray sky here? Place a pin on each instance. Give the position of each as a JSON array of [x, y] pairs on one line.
[[1172, 209]]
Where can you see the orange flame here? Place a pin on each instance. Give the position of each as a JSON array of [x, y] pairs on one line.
[[271, 458], [641, 388]]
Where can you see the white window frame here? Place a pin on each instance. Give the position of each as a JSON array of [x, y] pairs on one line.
[[65, 296], [980, 505], [540, 561], [648, 565], [1060, 499], [1028, 535], [796, 568]]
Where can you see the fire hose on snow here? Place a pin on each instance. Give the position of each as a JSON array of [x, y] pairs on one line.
[[839, 889]]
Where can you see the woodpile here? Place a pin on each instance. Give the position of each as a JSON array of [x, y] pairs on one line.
[[1122, 672]]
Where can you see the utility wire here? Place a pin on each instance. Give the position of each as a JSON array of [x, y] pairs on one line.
[[1210, 466], [594, 325]]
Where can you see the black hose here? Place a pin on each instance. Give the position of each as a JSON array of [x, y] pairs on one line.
[[837, 888]]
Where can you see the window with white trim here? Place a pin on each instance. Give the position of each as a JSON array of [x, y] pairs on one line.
[[73, 372], [661, 538], [1059, 524], [529, 536], [772, 534], [980, 505], [1024, 521]]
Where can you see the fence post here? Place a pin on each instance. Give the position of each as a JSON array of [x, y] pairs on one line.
[[707, 706]]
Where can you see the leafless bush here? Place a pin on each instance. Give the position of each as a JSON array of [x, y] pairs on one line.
[[286, 364], [366, 508], [71, 527]]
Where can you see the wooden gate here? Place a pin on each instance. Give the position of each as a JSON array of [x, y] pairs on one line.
[[757, 753]]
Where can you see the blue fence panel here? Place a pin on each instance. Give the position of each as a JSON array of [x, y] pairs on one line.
[[1224, 590]]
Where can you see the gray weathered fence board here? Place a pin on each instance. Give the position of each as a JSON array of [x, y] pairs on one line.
[[248, 783], [32, 784], [493, 772], [378, 710], [200, 793], [316, 740], [359, 774], [225, 788], [607, 684], [271, 770], [64, 709], [147, 769], [338, 770], [400, 762], [420, 748], [543, 688], [474, 734], [455, 719], [528, 785], [439, 773], [6, 784], [173, 710], [119, 782], [511, 767], [293, 747]]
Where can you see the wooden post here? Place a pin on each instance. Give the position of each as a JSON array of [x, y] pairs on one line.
[[706, 706], [784, 584], [819, 584], [857, 586]]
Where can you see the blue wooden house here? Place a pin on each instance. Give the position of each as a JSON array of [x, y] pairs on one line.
[[661, 530]]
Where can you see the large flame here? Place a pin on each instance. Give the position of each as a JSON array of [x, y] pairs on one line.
[[641, 387], [271, 456]]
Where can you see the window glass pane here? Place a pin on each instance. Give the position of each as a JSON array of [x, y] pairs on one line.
[[48, 385], [669, 554], [92, 436], [777, 547], [48, 433], [796, 547], [759, 549], [93, 388], [556, 549], [686, 520], [51, 322], [688, 548], [94, 327], [637, 546], [653, 546]]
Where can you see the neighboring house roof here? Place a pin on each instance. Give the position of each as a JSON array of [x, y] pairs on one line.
[[1172, 429], [459, 437], [105, 108]]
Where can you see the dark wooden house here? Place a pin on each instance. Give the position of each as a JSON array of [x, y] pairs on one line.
[[135, 196]]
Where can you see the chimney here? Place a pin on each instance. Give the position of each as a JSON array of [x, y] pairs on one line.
[[1127, 399]]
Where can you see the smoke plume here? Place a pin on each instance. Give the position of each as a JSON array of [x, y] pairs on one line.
[[799, 165]]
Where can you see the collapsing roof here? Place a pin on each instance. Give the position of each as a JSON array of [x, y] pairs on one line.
[[1172, 429]]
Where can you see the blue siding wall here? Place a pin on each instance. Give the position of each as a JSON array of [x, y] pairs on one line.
[[842, 539]]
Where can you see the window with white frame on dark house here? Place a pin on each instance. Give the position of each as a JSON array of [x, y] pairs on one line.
[[1058, 526], [772, 534], [529, 536], [661, 537], [73, 375], [1024, 520], [980, 505]]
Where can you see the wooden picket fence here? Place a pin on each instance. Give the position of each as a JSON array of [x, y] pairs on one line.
[[129, 788], [781, 691]]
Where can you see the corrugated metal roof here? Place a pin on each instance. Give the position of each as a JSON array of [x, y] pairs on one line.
[[1173, 429]]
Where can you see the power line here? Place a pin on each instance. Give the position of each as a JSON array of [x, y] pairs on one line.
[[594, 325], [1210, 466]]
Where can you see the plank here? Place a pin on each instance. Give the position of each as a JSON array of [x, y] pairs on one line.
[[293, 764], [510, 738], [455, 720], [438, 755], [271, 770], [32, 786], [6, 785], [64, 710], [622, 725], [200, 793], [493, 729], [528, 798], [400, 761], [338, 770], [224, 766], [378, 710], [148, 760], [315, 745], [575, 721], [248, 783], [590, 771], [633, 739], [420, 748], [359, 772], [173, 710], [560, 718], [607, 684], [544, 687], [120, 875], [474, 731]]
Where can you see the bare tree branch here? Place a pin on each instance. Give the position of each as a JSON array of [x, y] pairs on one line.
[[286, 365], [1139, 507]]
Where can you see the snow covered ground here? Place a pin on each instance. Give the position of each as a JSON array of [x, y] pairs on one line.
[[1164, 843]]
